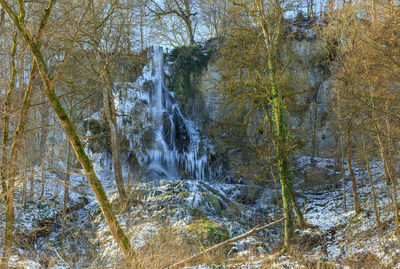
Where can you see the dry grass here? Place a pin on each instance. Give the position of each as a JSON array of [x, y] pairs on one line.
[[170, 246]]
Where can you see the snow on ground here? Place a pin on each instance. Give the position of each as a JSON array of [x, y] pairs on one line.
[[340, 237]]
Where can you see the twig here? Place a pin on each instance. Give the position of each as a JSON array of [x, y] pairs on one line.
[[252, 231]]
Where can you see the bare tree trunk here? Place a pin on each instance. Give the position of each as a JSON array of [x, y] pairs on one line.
[[357, 206], [6, 170], [24, 177], [390, 146], [300, 218], [376, 210], [109, 111], [188, 21], [66, 191], [278, 202], [189, 28], [44, 115], [32, 185], [388, 175], [68, 126], [342, 173], [15, 149]]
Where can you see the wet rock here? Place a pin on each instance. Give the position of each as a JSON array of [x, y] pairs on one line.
[[182, 139], [248, 194]]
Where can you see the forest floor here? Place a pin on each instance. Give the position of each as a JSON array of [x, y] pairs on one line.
[[169, 220]]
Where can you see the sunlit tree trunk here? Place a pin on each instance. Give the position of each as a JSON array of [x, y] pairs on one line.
[[6, 169], [279, 117], [69, 128], [389, 176], [109, 111], [357, 205]]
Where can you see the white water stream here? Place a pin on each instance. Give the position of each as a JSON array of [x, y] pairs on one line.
[[175, 150]]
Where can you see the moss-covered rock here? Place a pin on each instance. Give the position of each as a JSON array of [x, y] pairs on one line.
[[209, 231], [189, 63], [214, 201]]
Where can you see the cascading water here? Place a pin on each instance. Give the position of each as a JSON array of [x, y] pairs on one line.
[[160, 138], [175, 149]]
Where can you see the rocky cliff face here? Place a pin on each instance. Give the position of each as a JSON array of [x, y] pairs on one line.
[[185, 99], [312, 124]]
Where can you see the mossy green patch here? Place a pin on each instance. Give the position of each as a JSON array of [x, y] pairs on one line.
[[196, 213], [189, 62], [184, 194], [214, 202], [209, 231]]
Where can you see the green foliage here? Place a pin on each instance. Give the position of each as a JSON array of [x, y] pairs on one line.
[[214, 201], [196, 213], [209, 231], [189, 62]]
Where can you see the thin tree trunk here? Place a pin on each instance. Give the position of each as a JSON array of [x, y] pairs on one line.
[[32, 185], [276, 188], [391, 158], [190, 31], [6, 168], [66, 190], [300, 218], [43, 138], [15, 150], [109, 111], [342, 173], [24, 177], [391, 179], [281, 135], [188, 21], [357, 206], [376, 210], [70, 130]]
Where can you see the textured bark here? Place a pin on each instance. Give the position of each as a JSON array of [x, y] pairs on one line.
[[70, 131], [7, 166], [109, 111], [281, 137], [188, 22], [271, 33]]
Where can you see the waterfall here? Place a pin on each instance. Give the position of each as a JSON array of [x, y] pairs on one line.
[[176, 149]]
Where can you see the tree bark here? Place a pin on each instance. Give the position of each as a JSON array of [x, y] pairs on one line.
[[389, 176], [342, 173], [6, 166], [357, 206], [271, 33], [70, 130], [300, 218], [109, 111], [15, 150], [66, 191]]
